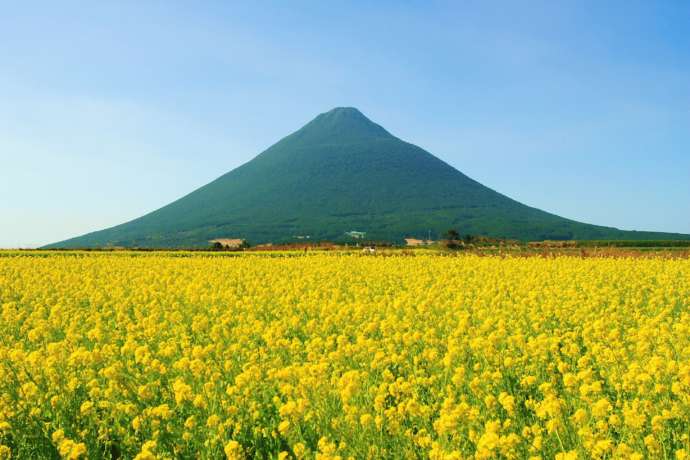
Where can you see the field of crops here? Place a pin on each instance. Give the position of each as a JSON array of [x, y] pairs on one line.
[[117, 355]]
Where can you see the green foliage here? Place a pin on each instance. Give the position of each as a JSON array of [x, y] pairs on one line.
[[338, 173], [452, 235]]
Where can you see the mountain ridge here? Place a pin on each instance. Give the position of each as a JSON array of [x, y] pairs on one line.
[[342, 172]]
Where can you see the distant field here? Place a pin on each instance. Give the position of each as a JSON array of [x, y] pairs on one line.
[[636, 243], [572, 248], [406, 354]]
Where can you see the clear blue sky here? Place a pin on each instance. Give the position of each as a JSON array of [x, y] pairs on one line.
[[109, 110]]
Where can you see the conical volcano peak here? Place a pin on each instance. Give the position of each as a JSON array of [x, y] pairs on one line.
[[344, 112], [341, 124], [343, 172]]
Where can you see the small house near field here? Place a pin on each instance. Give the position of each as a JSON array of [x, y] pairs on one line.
[[416, 242], [356, 235], [228, 243]]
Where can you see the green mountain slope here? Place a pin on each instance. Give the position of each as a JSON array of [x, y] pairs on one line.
[[338, 173]]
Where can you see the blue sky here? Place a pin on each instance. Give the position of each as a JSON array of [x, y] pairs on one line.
[[109, 110]]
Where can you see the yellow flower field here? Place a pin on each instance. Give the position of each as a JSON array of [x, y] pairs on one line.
[[174, 355]]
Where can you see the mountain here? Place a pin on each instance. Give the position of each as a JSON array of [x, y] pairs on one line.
[[342, 172]]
